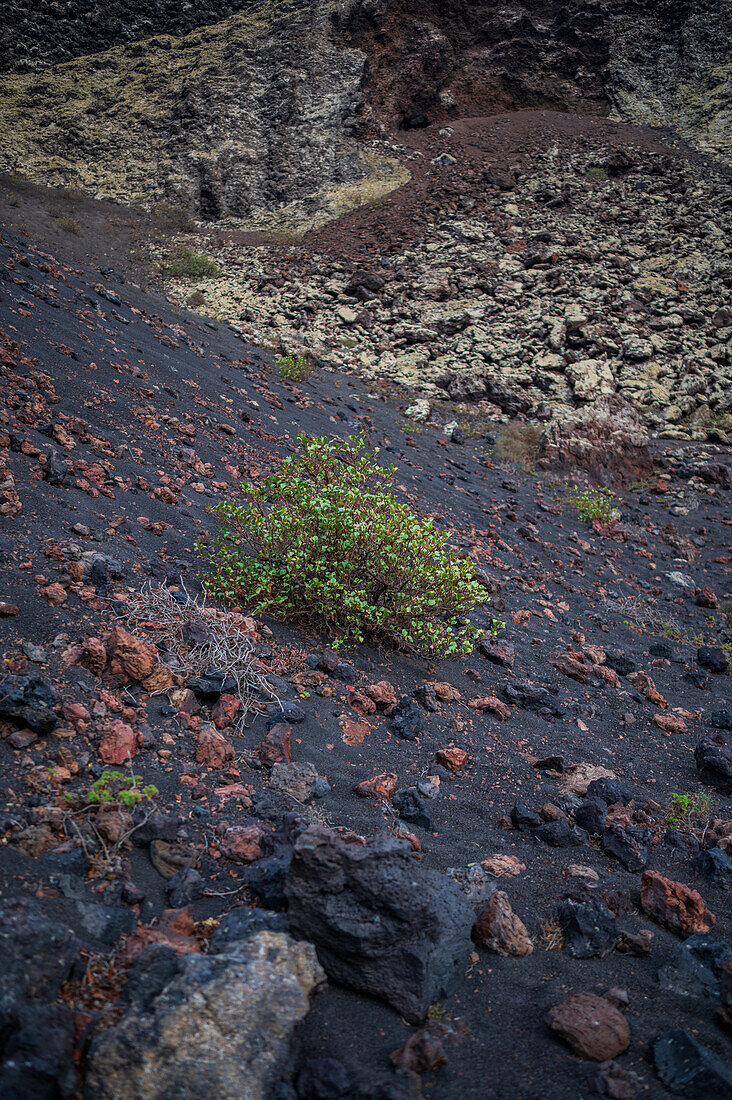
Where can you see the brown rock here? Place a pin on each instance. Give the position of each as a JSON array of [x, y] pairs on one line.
[[225, 711], [453, 759], [8, 609], [571, 667], [382, 695], [170, 856], [159, 680], [423, 1051], [707, 598], [380, 787], [503, 866], [244, 843], [130, 656], [643, 683], [578, 777], [491, 703], [674, 905], [499, 929], [590, 1026], [361, 703], [94, 656], [119, 743], [213, 751], [670, 723], [55, 594], [353, 732], [275, 749], [445, 692]]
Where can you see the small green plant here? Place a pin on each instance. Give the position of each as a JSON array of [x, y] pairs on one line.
[[593, 504], [187, 264], [690, 813], [117, 787], [324, 542], [596, 173], [294, 368]]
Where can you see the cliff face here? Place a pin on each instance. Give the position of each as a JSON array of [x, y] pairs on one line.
[[269, 106], [248, 114]]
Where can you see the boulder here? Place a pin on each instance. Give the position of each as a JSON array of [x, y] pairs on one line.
[[713, 756], [590, 1026], [689, 1069], [221, 1026], [381, 925]]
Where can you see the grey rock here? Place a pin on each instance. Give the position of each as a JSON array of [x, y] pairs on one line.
[[689, 1069], [380, 923], [220, 1027], [695, 967]]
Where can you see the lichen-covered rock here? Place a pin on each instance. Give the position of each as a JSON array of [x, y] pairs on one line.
[[221, 1026]]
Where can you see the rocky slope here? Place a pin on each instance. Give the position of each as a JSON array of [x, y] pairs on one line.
[[386, 809]]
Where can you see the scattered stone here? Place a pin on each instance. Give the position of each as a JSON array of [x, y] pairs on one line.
[[29, 701], [503, 866], [380, 924], [423, 1051], [618, 1083], [298, 781], [713, 756], [629, 844], [213, 750], [713, 658], [589, 930], [498, 929], [245, 843], [407, 719], [453, 759], [498, 653], [695, 968], [119, 742], [380, 787], [689, 1069], [276, 747], [185, 886], [590, 1026], [560, 834], [638, 944], [411, 807], [674, 905], [715, 866]]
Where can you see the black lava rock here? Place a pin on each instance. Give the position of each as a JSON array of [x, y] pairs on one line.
[[184, 887], [721, 719], [610, 791], [212, 684], [715, 866], [628, 844], [407, 719], [560, 834], [524, 818], [412, 808], [690, 1069], [618, 661], [683, 845], [591, 816], [712, 657], [380, 923], [695, 968], [713, 756], [589, 930], [28, 701], [323, 1079], [284, 711], [242, 923], [522, 693]]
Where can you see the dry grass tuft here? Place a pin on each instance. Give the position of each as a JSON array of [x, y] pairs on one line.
[[517, 443], [194, 638]]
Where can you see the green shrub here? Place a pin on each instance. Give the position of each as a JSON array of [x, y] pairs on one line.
[[116, 789], [187, 264], [324, 542], [294, 368], [690, 813], [593, 504]]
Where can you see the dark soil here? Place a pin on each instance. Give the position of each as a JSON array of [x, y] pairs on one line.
[[148, 380]]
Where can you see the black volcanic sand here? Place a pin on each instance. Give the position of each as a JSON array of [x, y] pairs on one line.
[[123, 368]]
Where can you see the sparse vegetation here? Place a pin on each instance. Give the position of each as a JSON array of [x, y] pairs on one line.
[[66, 224], [324, 542], [185, 263], [596, 173], [196, 299], [100, 817], [690, 813], [168, 218], [593, 504], [517, 443], [295, 368]]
